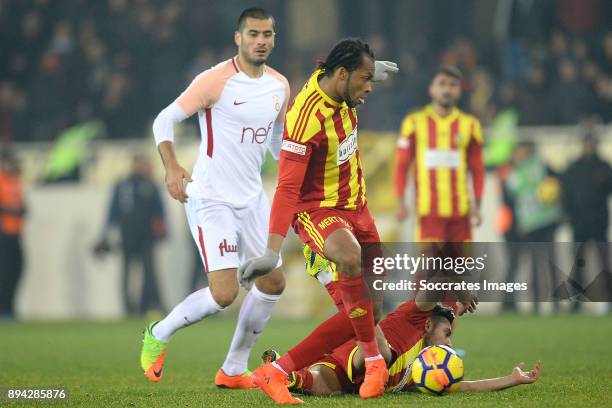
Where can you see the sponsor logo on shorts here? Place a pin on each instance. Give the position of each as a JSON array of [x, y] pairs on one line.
[[293, 147], [225, 248], [332, 220]]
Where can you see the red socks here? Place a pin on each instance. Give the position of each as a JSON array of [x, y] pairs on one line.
[[334, 293], [356, 320], [358, 306], [328, 335]]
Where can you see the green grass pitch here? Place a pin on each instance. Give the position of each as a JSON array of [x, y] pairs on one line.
[[99, 363]]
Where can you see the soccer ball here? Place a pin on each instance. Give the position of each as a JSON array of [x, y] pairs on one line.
[[437, 370]]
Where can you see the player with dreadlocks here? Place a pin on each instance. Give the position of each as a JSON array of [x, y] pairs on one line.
[[321, 192]]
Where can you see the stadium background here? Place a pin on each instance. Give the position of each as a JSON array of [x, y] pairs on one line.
[[534, 70]]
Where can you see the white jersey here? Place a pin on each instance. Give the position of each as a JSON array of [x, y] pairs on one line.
[[237, 115]]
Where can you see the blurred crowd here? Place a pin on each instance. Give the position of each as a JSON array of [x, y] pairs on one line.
[[562, 82], [121, 61]]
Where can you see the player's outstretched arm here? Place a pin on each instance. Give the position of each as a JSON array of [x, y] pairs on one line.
[[517, 377], [290, 177], [256, 267], [382, 69], [476, 167], [403, 160]]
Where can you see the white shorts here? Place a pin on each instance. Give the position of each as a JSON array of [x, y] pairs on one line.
[[226, 236]]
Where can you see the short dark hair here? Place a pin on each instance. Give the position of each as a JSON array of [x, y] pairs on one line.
[[347, 53], [441, 312], [254, 12], [449, 70]]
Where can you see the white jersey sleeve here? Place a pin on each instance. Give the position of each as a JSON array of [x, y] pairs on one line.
[[279, 124], [163, 125], [201, 94], [239, 118]]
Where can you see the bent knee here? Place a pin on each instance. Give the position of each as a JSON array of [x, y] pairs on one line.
[[225, 297], [349, 260], [272, 284], [276, 287]]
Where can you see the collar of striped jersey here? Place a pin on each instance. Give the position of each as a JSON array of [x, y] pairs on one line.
[[449, 118], [314, 82]]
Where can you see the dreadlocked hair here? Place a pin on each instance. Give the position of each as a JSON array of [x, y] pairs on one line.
[[347, 53]]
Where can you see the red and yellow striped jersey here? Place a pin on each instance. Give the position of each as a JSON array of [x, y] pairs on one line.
[[443, 149], [326, 132], [403, 329], [400, 371]]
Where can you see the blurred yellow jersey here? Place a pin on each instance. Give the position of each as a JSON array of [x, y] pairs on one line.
[[441, 148]]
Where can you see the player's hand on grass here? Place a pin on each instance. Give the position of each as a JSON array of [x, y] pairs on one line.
[[176, 177], [526, 377], [382, 69], [256, 267]]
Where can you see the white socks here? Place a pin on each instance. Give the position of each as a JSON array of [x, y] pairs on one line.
[[192, 309], [254, 314]]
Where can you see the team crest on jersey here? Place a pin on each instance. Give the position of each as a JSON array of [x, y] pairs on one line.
[[276, 101], [347, 147], [459, 138]]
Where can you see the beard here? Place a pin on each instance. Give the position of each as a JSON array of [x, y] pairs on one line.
[[447, 102], [255, 61], [347, 95], [350, 103]]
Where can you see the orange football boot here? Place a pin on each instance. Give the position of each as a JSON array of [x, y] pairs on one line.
[[375, 379], [273, 382], [238, 382]]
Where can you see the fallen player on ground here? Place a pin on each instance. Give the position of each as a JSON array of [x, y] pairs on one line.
[[412, 327]]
